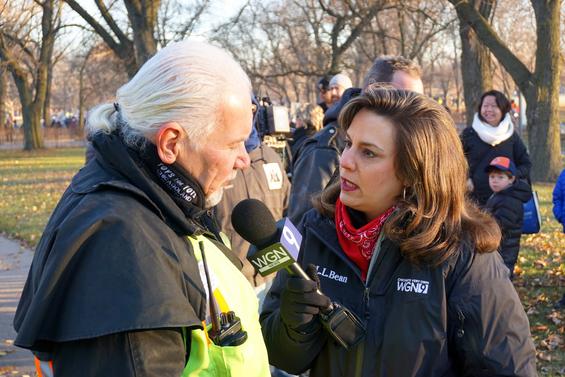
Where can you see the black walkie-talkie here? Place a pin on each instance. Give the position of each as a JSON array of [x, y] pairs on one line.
[[226, 327]]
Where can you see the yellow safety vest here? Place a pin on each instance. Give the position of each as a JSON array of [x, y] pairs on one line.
[[232, 291]]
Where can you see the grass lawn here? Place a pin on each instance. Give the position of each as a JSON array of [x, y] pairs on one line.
[[541, 282], [32, 183]]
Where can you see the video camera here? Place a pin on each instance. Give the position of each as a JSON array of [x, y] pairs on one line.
[[269, 119]]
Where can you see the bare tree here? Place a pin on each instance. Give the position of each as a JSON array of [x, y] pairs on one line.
[[3, 95], [477, 69], [179, 19], [540, 86], [28, 60], [113, 35], [135, 42], [409, 28], [286, 46]]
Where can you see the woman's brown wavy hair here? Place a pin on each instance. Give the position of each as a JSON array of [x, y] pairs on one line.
[[435, 215]]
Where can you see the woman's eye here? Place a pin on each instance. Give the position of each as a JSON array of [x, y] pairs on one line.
[[368, 153], [347, 144]]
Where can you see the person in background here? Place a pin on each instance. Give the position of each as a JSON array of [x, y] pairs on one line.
[[116, 286], [339, 84], [507, 206], [317, 159], [559, 213], [307, 124], [264, 180], [397, 242], [492, 134], [325, 96]]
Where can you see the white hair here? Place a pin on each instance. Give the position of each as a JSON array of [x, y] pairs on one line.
[[185, 82]]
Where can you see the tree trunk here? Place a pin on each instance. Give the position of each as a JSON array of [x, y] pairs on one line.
[[3, 99], [32, 127], [81, 95], [476, 70], [143, 17], [47, 103], [543, 100]]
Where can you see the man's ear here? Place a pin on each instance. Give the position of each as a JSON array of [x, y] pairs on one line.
[[169, 140]]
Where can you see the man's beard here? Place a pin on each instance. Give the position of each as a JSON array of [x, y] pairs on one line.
[[214, 198]]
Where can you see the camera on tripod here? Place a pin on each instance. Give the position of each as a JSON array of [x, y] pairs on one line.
[[269, 119]]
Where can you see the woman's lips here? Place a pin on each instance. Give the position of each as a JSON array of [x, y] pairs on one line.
[[347, 185]]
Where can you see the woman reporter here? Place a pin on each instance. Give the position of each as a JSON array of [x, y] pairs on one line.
[[396, 242], [491, 135]]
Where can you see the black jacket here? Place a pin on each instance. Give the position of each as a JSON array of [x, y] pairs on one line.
[[463, 318], [507, 206], [113, 277], [317, 160], [299, 136], [479, 154]]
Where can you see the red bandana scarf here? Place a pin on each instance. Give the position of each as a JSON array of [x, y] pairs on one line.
[[358, 244]]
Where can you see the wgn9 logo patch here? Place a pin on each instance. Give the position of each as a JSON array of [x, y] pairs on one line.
[[412, 286]]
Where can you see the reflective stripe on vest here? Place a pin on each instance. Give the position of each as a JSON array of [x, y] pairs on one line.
[[43, 368], [233, 292]]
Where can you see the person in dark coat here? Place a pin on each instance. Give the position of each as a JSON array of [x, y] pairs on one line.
[[308, 122], [559, 200], [507, 206], [492, 134], [325, 96], [116, 286], [397, 242]]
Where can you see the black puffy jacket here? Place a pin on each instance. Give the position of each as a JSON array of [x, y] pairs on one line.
[[507, 206], [316, 160], [479, 154], [463, 318]]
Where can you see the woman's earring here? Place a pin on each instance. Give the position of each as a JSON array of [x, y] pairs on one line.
[[404, 193]]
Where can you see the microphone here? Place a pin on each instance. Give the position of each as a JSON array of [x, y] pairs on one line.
[[276, 247], [273, 247]]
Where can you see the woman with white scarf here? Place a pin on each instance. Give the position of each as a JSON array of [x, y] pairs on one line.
[[491, 135]]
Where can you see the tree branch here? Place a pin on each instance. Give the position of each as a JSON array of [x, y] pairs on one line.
[[99, 29], [520, 73]]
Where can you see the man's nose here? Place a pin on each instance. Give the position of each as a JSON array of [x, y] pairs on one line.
[[243, 161]]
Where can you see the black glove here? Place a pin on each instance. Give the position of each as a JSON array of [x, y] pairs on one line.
[[299, 300]]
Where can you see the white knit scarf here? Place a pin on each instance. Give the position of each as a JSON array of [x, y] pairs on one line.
[[494, 135]]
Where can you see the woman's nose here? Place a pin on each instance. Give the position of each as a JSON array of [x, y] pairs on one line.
[[346, 160]]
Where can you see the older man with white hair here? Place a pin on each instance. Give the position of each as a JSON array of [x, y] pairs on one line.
[[118, 284]]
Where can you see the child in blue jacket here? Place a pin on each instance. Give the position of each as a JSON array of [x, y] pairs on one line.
[[507, 205], [559, 213]]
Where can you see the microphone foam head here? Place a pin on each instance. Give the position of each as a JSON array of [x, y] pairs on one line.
[[253, 221]]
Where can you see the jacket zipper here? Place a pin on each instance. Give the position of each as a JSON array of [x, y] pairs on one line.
[[460, 331], [366, 298], [370, 274]]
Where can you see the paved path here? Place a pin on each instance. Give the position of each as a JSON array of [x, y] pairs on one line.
[[14, 265]]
